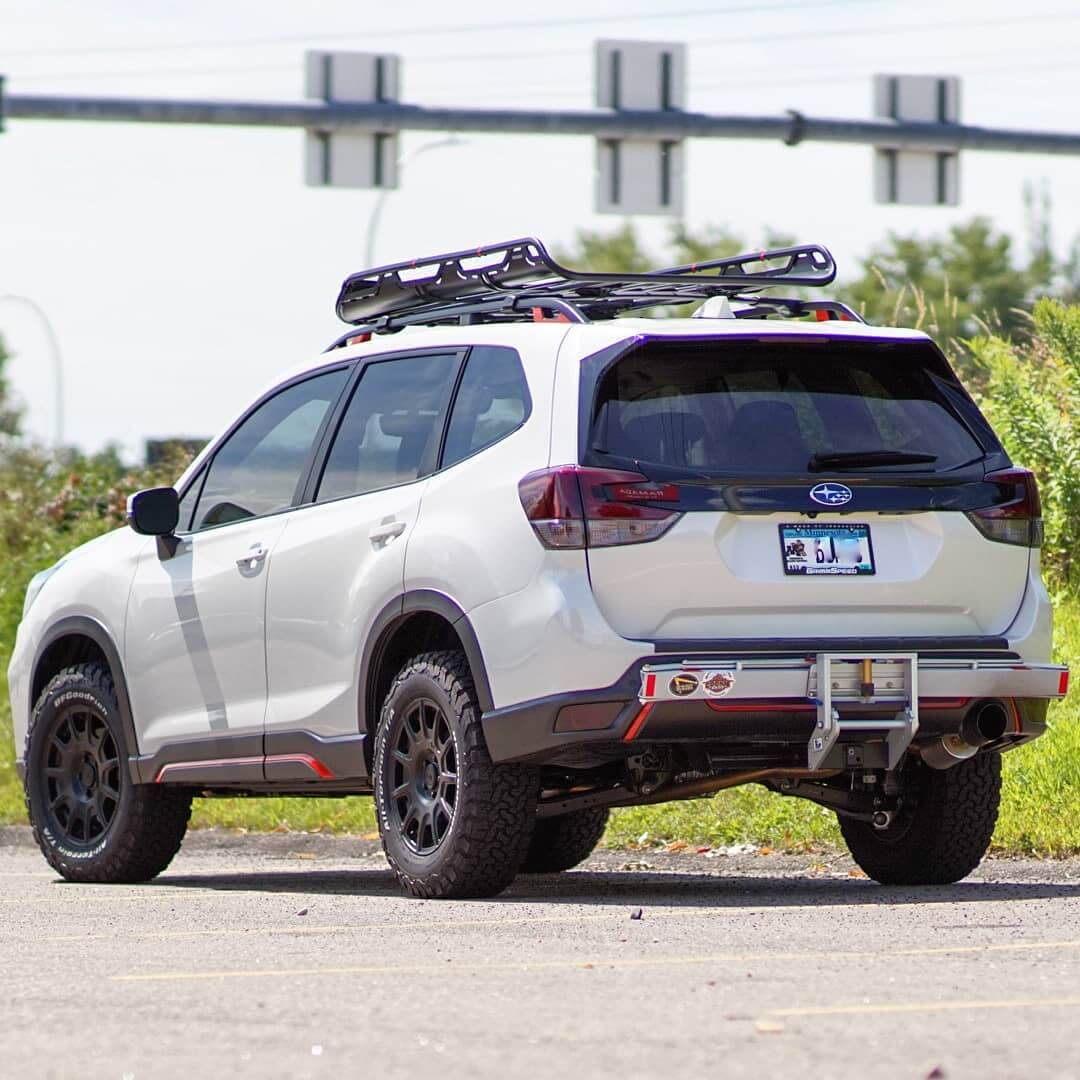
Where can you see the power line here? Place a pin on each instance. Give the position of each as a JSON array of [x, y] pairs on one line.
[[439, 31], [545, 90], [705, 43]]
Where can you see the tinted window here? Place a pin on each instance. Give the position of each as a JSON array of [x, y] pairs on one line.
[[390, 432], [763, 407], [187, 503], [492, 400], [256, 471]]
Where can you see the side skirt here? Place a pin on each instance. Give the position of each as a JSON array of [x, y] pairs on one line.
[[298, 760]]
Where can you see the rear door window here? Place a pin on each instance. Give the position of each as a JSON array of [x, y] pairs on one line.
[[741, 407], [390, 431], [492, 401]]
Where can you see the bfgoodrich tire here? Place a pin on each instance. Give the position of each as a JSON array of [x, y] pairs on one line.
[[943, 831], [563, 842], [90, 820], [453, 823]]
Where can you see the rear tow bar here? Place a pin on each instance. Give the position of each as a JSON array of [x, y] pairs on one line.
[[856, 679]]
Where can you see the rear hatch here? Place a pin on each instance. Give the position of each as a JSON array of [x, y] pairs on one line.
[[799, 487]]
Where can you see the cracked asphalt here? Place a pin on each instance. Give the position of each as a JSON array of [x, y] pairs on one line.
[[295, 956]]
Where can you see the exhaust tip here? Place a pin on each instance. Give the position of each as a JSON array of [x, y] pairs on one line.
[[985, 723]]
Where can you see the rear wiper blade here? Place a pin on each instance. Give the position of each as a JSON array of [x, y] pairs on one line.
[[868, 459]]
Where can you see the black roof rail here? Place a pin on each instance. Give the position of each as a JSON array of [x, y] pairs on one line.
[[509, 280]]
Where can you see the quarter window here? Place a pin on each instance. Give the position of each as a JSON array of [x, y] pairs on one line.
[[258, 468], [492, 401], [390, 432], [187, 504]]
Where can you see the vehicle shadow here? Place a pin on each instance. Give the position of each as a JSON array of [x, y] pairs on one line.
[[641, 888]]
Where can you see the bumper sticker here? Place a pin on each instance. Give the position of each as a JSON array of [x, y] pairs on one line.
[[683, 684], [719, 683]]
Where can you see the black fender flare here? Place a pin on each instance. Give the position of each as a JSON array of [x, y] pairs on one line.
[[396, 612], [84, 626]]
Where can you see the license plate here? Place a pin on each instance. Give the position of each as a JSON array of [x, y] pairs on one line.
[[823, 549]]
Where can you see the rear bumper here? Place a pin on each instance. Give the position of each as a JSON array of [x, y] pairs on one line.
[[756, 700]]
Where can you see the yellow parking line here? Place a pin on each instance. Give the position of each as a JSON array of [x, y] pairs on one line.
[[926, 1006], [616, 963]]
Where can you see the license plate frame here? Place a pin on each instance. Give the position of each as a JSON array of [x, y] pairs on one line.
[[809, 549]]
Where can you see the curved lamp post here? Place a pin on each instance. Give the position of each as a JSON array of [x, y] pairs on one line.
[[57, 359], [380, 202]]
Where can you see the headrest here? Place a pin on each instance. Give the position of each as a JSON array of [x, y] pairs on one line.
[[402, 424]]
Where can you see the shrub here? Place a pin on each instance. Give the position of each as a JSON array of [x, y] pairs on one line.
[[1032, 398]]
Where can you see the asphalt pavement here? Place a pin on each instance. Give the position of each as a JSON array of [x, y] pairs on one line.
[[295, 956]]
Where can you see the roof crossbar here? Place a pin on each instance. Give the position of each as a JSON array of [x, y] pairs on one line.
[[441, 287]]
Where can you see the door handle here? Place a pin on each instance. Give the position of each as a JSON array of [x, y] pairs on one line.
[[386, 532], [252, 559]]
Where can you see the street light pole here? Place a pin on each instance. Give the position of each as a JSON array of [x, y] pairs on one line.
[[57, 360], [380, 202]]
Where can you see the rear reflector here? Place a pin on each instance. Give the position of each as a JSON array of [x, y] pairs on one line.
[[1063, 683], [638, 723], [594, 716], [1018, 520], [573, 507]]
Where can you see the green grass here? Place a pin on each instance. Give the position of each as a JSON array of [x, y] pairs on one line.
[[1040, 812]]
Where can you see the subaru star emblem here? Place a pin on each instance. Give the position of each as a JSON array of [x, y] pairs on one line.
[[831, 494]]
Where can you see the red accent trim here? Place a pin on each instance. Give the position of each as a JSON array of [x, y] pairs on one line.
[[638, 723], [758, 706], [650, 685], [1063, 683], [314, 764], [1016, 715], [750, 705]]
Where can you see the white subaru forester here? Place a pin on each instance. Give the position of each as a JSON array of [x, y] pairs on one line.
[[508, 556]]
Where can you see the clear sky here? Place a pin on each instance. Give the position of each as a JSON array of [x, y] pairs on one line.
[[183, 266]]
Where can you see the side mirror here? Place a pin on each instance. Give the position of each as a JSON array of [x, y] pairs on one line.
[[154, 512]]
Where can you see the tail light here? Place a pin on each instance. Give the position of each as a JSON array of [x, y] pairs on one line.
[[1018, 520], [574, 507]]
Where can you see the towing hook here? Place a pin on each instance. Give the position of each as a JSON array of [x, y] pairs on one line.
[[882, 819]]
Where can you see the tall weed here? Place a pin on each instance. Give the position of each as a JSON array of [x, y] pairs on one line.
[[1032, 398]]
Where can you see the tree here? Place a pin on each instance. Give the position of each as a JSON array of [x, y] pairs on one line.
[[952, 286]]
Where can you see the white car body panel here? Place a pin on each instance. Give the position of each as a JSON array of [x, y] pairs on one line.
[[472, 542], [195, 656], [92, 582], [719, 575], [329, 581]]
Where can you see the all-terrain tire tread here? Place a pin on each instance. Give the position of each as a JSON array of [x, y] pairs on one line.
[[156, 816], [561, 843], [493, 825], [953, 826]]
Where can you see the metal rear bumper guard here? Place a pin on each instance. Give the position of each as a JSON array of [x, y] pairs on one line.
[[873, 695]]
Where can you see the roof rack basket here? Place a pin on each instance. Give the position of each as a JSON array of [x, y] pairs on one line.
[[513, 279]]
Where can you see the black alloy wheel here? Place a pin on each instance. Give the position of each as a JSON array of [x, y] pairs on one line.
[[90, 819], [424, 776], [453, 823], [82, 776]]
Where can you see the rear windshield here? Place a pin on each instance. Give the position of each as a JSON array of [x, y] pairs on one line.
[[763, 407]]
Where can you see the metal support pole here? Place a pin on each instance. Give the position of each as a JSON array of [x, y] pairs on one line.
[[600, 123]]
